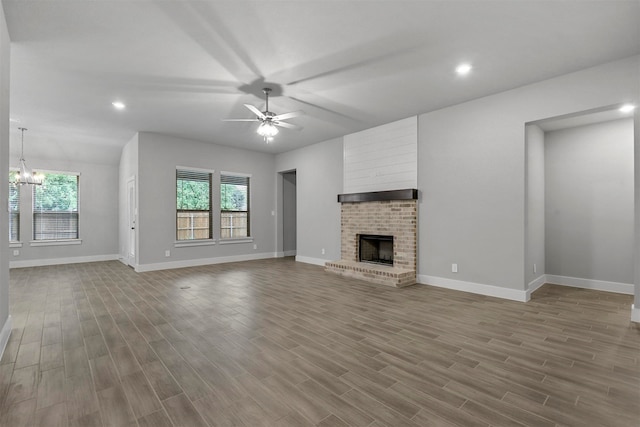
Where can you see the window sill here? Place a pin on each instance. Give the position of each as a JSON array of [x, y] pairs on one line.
[[189, 243], [55, 242], [15, 244], [238, 240]]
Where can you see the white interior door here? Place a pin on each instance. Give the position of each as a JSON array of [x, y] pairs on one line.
[[132, 211]]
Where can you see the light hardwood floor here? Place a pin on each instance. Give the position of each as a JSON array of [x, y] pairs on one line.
[[280, 343]]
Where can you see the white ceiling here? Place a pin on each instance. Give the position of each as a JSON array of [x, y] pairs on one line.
[[183, 66]]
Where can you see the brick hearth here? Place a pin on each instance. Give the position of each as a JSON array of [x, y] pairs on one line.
[[397, 218]]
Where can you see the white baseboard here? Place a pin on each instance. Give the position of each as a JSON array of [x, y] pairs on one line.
[[141, 268], [598, 285], [535, 284], [309, 260], [635, 314], [60, 261], [5, 333], [290, 253], [475, 288]]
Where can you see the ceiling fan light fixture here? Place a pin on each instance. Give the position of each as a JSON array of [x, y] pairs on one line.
[[267, 129]]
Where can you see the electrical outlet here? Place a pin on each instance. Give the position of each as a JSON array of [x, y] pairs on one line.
[[535, 268], [255, 247], [16, 252], [454, 268], [322, 251], [167, 253]]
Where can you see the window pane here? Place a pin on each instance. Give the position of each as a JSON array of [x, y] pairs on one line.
[[193, 225], [233, 225], [193, 205], [55, 208], [233, 197], [234, 206], [14, 212]]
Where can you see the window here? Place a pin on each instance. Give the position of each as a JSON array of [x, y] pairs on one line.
[[14, 212], [193, 205], [234, 206], [55, 207]]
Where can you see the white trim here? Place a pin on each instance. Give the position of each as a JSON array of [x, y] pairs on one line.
[[535, 284], [141, 268], [66, 242], [189, 168], [474, 288], [289, 253], [5, 333], [60, 261], [238, 240], [15, 244], [308, 260], [227, 173], [54, 172], [635, 314], [598, 285], [188, 243], [125, 262]]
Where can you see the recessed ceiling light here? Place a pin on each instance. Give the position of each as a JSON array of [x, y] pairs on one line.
[[463, 69], [118, 105], [627, 108]]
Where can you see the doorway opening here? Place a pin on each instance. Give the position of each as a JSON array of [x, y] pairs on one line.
[[289, 213]]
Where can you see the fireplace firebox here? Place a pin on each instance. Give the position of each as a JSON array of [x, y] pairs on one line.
[[376, 249]]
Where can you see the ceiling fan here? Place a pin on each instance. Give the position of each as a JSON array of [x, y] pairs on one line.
[[269, 120]]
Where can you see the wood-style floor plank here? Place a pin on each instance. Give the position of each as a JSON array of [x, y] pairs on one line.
[[285, 344]]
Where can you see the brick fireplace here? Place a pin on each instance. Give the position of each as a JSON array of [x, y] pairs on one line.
[[385, 213]]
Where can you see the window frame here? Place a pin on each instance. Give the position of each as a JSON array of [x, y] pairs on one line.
[[248, 237], [58, 240], [202, 241]]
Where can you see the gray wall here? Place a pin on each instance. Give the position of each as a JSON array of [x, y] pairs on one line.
[[4, 168], [128, 168], [98, 214], [636, 180], [471, 172], [534, 198], [318, 181], [590, 201], [289, 213], [158, 156]]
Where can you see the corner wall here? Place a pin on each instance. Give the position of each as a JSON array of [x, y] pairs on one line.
[[589, 203], [471, 174], [98, 216], [5, 319], [635, 308], [319, 170], [158, 156], [534, 220]]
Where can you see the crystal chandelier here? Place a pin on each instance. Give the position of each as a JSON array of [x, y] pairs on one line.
[[24, 175]]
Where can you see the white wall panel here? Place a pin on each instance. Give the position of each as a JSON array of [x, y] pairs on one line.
[[382, 158]]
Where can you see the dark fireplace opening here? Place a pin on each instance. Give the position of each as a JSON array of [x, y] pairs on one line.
[[375, 249]]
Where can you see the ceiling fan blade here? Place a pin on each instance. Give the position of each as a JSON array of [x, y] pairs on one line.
[[290, 115], [287, 125], [240, 120], [255, 111]]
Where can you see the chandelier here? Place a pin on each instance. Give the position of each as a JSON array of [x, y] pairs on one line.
[[24, 175]]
